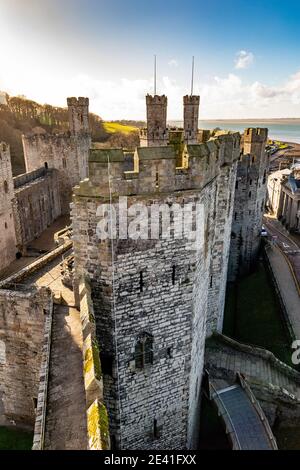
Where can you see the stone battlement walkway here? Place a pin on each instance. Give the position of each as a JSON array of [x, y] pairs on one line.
[[65, 426]]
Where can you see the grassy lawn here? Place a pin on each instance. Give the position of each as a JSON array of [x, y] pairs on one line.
[[253, 315], [113, 127], [288, 438], [15, 439]]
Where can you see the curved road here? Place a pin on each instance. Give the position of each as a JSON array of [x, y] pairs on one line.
[[288, 246]]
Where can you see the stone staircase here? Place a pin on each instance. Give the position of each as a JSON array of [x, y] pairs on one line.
[[225, 357]]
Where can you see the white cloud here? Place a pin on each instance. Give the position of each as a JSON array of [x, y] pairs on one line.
[[243, 59], [173, 63], [224, 97]]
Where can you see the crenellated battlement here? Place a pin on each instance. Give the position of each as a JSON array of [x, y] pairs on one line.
[[81, 101], [155, 168], [156, 100], [191, 99], [255, 135]]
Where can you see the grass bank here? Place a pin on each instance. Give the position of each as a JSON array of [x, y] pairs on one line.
[[15, 439], [253, 315], [113, 127]]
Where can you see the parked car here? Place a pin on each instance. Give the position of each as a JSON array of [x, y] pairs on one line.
[[263, 232]]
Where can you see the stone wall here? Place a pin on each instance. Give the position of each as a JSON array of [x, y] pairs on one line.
[[22, 316], [41, 408], [222, 225], [36, 204], [97, 418], [249, 204], [67, 152], [7, 227], [153, 288]]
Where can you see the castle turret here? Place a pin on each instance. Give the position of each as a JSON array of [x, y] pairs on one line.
[[190, 117], [78, 115], [156, 134]]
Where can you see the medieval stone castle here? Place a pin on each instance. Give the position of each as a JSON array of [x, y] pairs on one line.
[[146, 306]]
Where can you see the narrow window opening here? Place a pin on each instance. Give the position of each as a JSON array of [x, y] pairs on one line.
[[113, 442], [106, 361], [5, 186], [235, 215], [46, 164], [144, 351], [173, 275], [236, 185], [250, 194], [156, 180], [34, 400], [211, 282], [155, 429], [141, 282], [250, 182]]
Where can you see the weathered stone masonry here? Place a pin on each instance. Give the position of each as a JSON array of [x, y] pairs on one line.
[[22, 315], [7, 226], [250, 196], [67, 152], [158, 406], [36, 204]]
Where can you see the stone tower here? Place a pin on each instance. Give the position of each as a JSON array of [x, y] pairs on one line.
[[156, 134], [190, 118], [66, 152], [250, 197], [7, 228], [78, 115], [150, 296]]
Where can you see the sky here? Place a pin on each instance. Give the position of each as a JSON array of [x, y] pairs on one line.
[[247, 54]]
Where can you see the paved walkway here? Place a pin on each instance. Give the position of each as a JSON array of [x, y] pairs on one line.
[[45, 242], [65, 427], [240, 414], [288, 243], [287, 286]]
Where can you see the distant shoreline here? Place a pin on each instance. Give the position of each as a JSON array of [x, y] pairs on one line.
[[271, 120]]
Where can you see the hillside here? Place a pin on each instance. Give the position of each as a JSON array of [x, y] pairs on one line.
[[19, 115], [113, 127]]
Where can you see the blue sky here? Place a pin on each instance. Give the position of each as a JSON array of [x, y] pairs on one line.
[[247, 54]]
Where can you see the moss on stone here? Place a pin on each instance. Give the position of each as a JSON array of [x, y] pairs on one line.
[[92, 360], [98, 426]]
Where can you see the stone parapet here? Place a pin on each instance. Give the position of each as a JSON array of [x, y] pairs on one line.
[[97, 418]]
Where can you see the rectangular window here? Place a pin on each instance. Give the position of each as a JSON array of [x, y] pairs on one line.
[[173, 275], [141, 282], [106, 363], [155, 429]]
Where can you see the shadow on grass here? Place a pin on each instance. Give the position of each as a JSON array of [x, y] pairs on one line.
[[253, 315], [15, 439]]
